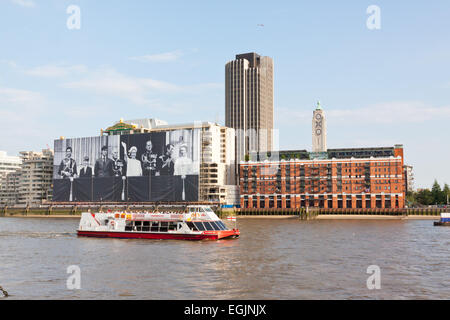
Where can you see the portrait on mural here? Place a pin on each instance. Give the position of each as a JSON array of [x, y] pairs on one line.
[[157, 166]]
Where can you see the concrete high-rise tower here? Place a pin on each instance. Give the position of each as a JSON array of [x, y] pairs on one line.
[[319, 130], [249, 102]]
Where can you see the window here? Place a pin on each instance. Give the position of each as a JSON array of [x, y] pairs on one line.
[[164, 227], [172, 226], [154, 227], [208, 226], [199, 226], [138, 225], [221, 225], [192, 226], [215, 226]]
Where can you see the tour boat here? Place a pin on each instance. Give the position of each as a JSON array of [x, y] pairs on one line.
[[445, 220], [198, 223]]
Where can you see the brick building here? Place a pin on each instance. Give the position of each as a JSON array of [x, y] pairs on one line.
[[356, 182]]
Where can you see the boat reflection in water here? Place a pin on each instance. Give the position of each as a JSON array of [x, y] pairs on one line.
[[198, 223]]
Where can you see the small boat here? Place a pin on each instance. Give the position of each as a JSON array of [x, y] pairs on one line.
[[445, 220], [198, 223]]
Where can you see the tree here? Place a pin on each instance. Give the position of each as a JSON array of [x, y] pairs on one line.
[[436, 193], [446, 192], [424, 197]]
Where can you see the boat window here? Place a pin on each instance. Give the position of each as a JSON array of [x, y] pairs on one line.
[[192, 226], [221, 225], [208, 226], [164, 226], [154, 226], [208, 209], [199, 226], [172, 226], [224, 227], [215, 225], [128, 226]]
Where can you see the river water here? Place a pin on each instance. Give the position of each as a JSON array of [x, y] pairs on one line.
[[273, 259]]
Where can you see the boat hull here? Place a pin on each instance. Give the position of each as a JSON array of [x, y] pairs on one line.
[[212, 235], [442, 223]]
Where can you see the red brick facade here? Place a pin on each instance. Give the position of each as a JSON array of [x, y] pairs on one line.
[[330, 183]]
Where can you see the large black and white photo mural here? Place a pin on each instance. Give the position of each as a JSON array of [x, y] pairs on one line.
[[157, 166]]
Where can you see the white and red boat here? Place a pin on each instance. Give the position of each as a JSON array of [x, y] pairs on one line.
[[198, 223]]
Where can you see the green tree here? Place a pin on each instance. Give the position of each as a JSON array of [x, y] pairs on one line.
[[411, 198], [436, 192], [424, 197], [446, 192]]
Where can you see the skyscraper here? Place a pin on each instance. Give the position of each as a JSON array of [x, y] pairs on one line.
[[249, 102]]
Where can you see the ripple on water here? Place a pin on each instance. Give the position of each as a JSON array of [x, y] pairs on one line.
[[273, 259]]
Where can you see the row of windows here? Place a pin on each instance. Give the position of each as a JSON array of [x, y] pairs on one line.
[[321, 204], [207, 225], [153, 226], [164, 226]]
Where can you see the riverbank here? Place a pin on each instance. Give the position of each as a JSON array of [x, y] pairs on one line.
[[344, 217], [41, 216], [317, 217], [373, 217]]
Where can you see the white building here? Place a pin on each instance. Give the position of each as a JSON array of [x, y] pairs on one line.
[[8, 164], [409, 178], [35, 180], [31, 181]]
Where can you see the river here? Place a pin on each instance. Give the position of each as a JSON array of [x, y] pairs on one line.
[[273, 259]]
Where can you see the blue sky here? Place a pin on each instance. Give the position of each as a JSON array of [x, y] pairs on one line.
[[134, 59]]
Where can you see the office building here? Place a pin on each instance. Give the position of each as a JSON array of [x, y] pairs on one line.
[[8, 164], [31, 182], [249, 102], [325, 178], [35, 178], [325, 183]]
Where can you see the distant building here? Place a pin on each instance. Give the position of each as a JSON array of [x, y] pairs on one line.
[[358, 153], [35, 180], [31, 183], [324, 178], [249, 102], [409, 178], [9, 189], [328, 183], [133, 126], [8, 164]]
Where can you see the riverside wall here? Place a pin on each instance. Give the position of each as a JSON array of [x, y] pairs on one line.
[[71, 210]]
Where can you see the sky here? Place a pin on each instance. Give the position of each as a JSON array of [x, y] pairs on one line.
[[166, 60]]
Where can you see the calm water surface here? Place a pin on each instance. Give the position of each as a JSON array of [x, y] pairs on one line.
[[273, 259]]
